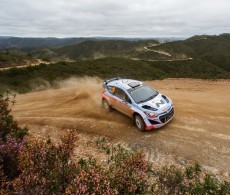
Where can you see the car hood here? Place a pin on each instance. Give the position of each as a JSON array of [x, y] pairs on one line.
[[157, 103]]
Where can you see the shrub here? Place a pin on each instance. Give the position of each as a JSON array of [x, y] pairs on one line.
[[90, 181], [188, 180], [46, 167], [12, 138], [7, 124], [129, 174]]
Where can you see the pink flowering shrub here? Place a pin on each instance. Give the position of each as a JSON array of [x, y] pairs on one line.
[[90, 181], [12, 139], [9, 152], [129, 171], [46, 167]]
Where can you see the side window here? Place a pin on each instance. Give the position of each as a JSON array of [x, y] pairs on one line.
[[127, 99], [111, 89], [119, 93], [122, 95]]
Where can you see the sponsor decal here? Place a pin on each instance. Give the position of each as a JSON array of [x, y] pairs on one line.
[[158, 104], [158, 101]]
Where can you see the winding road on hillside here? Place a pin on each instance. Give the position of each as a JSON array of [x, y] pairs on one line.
[[147, 48], [199, 132], [38, 62]]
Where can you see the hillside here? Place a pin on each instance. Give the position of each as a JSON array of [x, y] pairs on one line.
[[104, 48], [12, 59], [52, 42], [213, 49], [37, 77], [206, 57], [19, 42]]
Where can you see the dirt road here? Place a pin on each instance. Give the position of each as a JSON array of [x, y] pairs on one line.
[[199, 132], [28, 63]]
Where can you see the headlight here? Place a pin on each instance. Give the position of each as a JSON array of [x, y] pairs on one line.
[[150, 114]]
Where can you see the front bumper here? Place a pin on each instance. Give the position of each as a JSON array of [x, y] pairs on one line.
[[160, 121]]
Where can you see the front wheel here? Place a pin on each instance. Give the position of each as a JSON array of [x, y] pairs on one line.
[[139, 122], [106, 105]]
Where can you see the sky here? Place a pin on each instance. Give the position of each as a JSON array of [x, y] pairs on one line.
[[113, 18]]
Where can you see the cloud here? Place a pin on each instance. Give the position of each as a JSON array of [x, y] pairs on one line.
[[130, 18]]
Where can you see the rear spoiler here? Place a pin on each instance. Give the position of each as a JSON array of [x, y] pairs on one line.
[[105, 82]]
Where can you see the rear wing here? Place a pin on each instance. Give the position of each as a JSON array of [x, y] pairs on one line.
[[106, 82]]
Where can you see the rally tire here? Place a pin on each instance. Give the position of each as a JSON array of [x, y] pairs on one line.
[[139, 122], [106, 105]]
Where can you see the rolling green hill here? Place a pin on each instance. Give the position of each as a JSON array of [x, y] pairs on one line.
[[11, 59], [205, 57], [106, 48], [213, 49]]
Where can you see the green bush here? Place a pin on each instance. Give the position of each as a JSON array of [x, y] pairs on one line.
[[188, 180], [8, 126]]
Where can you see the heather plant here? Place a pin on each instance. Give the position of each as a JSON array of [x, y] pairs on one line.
[[3, 182], [91, 179], [129, 172], [187, 180], [12, 138], [9, 153], [46, 166], [127, 169]]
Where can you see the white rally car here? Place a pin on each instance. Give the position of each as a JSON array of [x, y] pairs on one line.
[[148, 108]]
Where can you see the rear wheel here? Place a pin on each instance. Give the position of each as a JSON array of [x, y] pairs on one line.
[[139, 122], [106, 105]]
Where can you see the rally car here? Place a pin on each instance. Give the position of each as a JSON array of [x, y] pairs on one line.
[[148, 108]]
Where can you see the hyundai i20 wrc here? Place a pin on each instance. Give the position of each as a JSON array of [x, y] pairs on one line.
[[147, 107]]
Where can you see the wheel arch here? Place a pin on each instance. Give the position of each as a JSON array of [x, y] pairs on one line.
[[136, 113], [105, 98]]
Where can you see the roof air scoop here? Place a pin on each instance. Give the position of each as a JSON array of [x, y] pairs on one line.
[[134, 84]]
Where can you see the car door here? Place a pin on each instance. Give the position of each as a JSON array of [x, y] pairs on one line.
[[123, 103]]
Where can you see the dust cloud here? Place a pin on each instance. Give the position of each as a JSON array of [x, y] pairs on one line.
[[83, 94], [73, 97]]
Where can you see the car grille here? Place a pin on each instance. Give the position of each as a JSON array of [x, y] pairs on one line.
[[154, 122], [164, 118]]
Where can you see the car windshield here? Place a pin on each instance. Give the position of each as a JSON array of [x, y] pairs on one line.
[[143, 94]]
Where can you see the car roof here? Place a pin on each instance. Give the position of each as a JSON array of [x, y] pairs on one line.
[[125, 83]]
